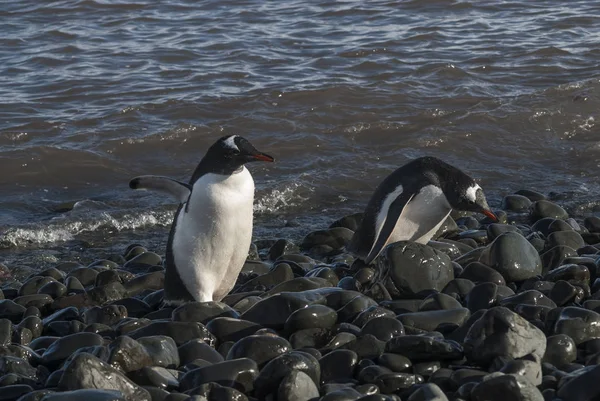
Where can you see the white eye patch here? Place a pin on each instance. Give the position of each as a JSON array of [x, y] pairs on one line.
[[230, 143], [472, 192]]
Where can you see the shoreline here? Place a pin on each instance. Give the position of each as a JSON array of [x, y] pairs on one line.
[[304, 321]]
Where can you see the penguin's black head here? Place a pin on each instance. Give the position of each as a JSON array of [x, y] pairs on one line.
[[467, 195], [231, 152]]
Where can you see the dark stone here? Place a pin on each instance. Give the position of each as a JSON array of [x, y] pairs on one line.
[[338, 366], [428, 392], [435, 320], [61, 349], [459, 288], [277, 369], [530, 297], [531, 370], [354, 307], [439, 301], [326, 242], [37, 300], [32, 285], [281, 247], [181, 332], [556, 256], [236, 373], [11, 311], [17, 366], [563, 292], [135, 307], [513, 257], [198, 349], [108, 315], [203, 312], [500, 332], [424, 348], [215, 392], [274, 311], [87, 371], [413, 268], [571, 239], [54, 289], [259, 348], [478, 272], [107, 277], [297, 386], [14, 392], [531, 194], [592, 223], [157, 377], [230, 329], [580, 324], [150, 281], [84, 275], [393, 382], [582, 387], [569, 272], [74, 286], [145, 259], [383, 328], [372, 312], [313, 316], [505, 387], [545, 208], [516, 203], [482, 296], [395, 362]]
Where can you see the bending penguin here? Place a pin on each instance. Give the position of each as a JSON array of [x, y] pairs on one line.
[[212, 229], [412, 203]]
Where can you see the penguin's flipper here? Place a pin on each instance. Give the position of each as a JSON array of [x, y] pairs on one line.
[[177, 189], [411, 218], [389, 214]]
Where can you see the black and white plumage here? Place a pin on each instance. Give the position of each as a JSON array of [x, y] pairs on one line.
[[212, 229], [412, 203]]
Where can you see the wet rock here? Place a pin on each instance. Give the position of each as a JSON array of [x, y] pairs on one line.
[[338, 366], [513, 257], [478, 272], [424, 348], [354, 307], [451, 249], [65, 346], [37, 300], [297, 386], [326, 242], [545, 208], [482, 296], [142, 260], [439, 301], [156, 377], [230, 329], [569, 272], [499, 387], [531, 370], [435, 320], [383, 328], [563, 292], [85, 394], [274, 311], [391, 383], [74, 286], [583, 386], [531, 194], [516, 203], [66, 314], [459, 288], [54, 289], [236, 373], [11, 311], [571, 239], [203, 312], [84, 275], [395, 362], [428, 392], [500, 332], [555, 257], [150, 281], [313, 316], [32, 285], [530, 297], [592, 223], [17, 366], [108, 315], [15, 391], [106, 277], [87, 371], [281, 247], [372, 312], [259, 348], [181, 332], [578, 323], [413, 268], [5, 331], [277, 369], [135, 307]]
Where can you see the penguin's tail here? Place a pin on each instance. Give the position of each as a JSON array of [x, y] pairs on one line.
[[177, 189]]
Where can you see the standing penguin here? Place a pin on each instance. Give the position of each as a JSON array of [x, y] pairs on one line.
[[412, 203], [212, 229]]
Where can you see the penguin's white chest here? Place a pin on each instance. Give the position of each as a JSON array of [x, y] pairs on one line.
[[212, 238]]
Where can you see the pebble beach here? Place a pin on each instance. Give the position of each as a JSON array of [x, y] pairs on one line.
[[485, 311]]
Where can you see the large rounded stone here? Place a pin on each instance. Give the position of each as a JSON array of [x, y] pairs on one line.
[[545, 208], [513, 256], [259, 348], [578, 323], [277, 369], [501, 332], [414, 268]]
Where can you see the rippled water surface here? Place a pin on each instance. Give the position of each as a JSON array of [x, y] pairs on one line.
[[93, 93]]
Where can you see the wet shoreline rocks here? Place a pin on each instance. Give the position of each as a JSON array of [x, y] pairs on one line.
[[486, 311]]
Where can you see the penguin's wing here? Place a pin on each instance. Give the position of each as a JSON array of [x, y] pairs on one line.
[[177, 189], [415, 219], [389, 214]]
